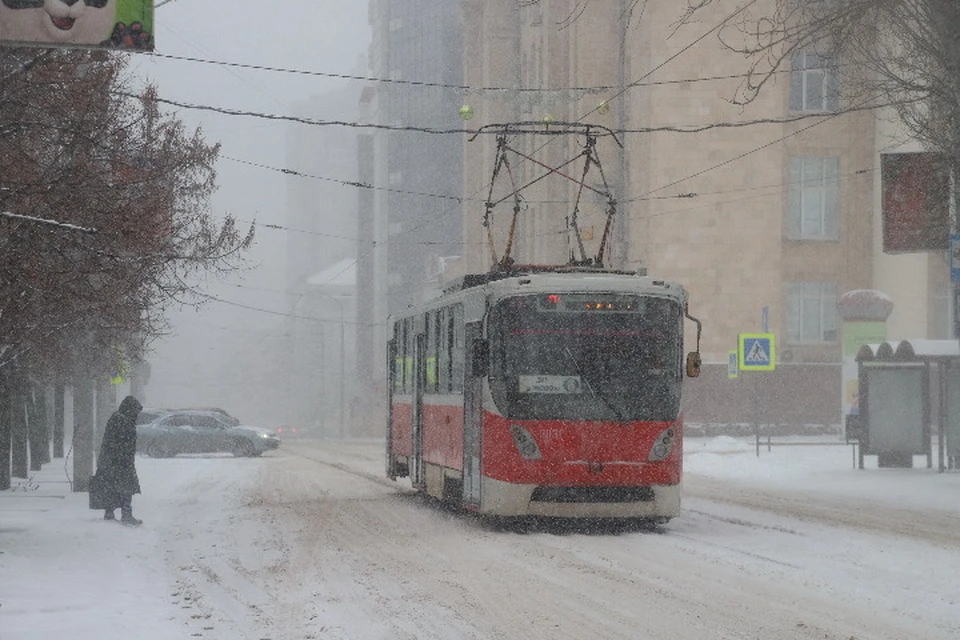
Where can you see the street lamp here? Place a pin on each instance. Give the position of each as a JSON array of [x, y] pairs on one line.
[[301, 411], [343, 363]]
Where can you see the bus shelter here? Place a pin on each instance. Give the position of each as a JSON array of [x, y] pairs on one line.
[[905, 387]]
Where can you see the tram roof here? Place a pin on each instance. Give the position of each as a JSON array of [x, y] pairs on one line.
[[564, 277]]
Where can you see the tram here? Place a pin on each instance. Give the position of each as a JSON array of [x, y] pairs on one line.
[[543, 393], [544, 390]]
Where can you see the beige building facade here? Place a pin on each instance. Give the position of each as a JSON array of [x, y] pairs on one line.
[[768, 209]]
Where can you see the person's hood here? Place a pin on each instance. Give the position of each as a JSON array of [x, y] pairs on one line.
[[130, 406]]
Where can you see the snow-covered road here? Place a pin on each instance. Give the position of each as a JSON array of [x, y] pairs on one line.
[[311, 542], [316, 544]]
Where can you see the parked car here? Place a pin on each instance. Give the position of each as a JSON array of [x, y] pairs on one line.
[[223, 413], [148, 415], [182, 431]]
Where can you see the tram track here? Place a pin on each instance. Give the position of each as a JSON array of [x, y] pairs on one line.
[[934, 527], [314, 543], [352, 470]]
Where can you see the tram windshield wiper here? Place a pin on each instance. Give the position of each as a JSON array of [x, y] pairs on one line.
[[594, 391]]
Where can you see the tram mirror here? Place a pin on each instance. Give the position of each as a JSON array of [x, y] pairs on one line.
[[480, 359], [693, 364]]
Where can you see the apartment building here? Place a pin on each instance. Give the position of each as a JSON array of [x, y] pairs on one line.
[[767, 212]]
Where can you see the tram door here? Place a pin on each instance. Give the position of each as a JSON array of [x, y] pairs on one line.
[[472, 417], [419, 379]]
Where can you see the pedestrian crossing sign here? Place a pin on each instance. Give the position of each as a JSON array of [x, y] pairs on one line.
[[757, 352]]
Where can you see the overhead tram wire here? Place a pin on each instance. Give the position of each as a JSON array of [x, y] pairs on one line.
[[450, 131], [272, 312], [673, 57], [823, 118], [347, 183], [776, 187], [435, 85], [621, 92], [437, 131]]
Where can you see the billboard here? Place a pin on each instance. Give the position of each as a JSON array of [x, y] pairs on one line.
[[916, 197], [93, 24]]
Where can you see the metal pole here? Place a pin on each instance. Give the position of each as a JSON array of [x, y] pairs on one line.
[[343, 365], [343, 374]]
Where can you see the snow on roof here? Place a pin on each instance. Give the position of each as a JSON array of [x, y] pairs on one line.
[[872, 292], [922, 348]]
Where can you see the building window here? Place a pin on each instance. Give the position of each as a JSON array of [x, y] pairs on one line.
[[813, 83], [813, 208], [811, 312]]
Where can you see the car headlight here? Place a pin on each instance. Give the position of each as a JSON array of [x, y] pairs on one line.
[[663, 445]]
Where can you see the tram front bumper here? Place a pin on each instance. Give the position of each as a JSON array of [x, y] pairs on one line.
[[507, 499]]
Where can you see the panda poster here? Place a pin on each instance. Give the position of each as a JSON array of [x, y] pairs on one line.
[[97, 24]]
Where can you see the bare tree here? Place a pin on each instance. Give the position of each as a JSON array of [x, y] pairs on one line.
[[106, 211], [904, 54]]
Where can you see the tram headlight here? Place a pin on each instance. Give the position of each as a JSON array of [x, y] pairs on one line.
[[526, 445], [662, 446]]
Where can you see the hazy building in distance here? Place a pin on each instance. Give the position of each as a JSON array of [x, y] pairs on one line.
[[322, 201], [409, 222]]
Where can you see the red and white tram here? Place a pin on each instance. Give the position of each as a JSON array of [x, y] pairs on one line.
[[550, 392]]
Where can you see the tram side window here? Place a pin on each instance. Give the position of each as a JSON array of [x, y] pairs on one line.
[[398, 347], [433, 348], [443, 354], [405, 356], [455, 332], [400, 356], [408, 368]]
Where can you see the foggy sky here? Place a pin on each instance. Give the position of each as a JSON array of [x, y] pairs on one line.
[[208, 360]]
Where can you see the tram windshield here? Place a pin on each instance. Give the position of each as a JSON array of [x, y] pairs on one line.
[[586, 357]]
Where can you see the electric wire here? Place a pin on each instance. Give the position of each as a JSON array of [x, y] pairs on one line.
[[466, 89]]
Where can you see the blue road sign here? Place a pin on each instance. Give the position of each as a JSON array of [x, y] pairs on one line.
[[757, 352]]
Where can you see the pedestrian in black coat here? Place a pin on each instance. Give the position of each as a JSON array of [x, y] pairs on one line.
[[115, 465]]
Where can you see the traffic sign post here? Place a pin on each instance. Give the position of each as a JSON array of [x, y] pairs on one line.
[[757, 352]]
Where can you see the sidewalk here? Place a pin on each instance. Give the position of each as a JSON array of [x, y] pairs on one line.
[[68, 575], [43, 491]]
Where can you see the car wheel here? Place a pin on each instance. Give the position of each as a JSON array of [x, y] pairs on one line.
[[242, 449]]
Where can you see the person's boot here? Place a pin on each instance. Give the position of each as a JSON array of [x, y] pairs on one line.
[[128, 519], [109, 515]]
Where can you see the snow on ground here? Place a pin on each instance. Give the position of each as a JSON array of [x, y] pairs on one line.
[[227, 548]]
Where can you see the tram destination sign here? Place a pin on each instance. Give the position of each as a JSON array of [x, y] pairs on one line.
[[550, 384]]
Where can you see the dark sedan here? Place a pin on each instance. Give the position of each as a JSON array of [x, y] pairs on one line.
[[178, 432]]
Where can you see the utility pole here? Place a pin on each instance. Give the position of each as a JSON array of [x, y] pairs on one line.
[[5, 432], [18, 424], [82, 432], [58, 392]]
